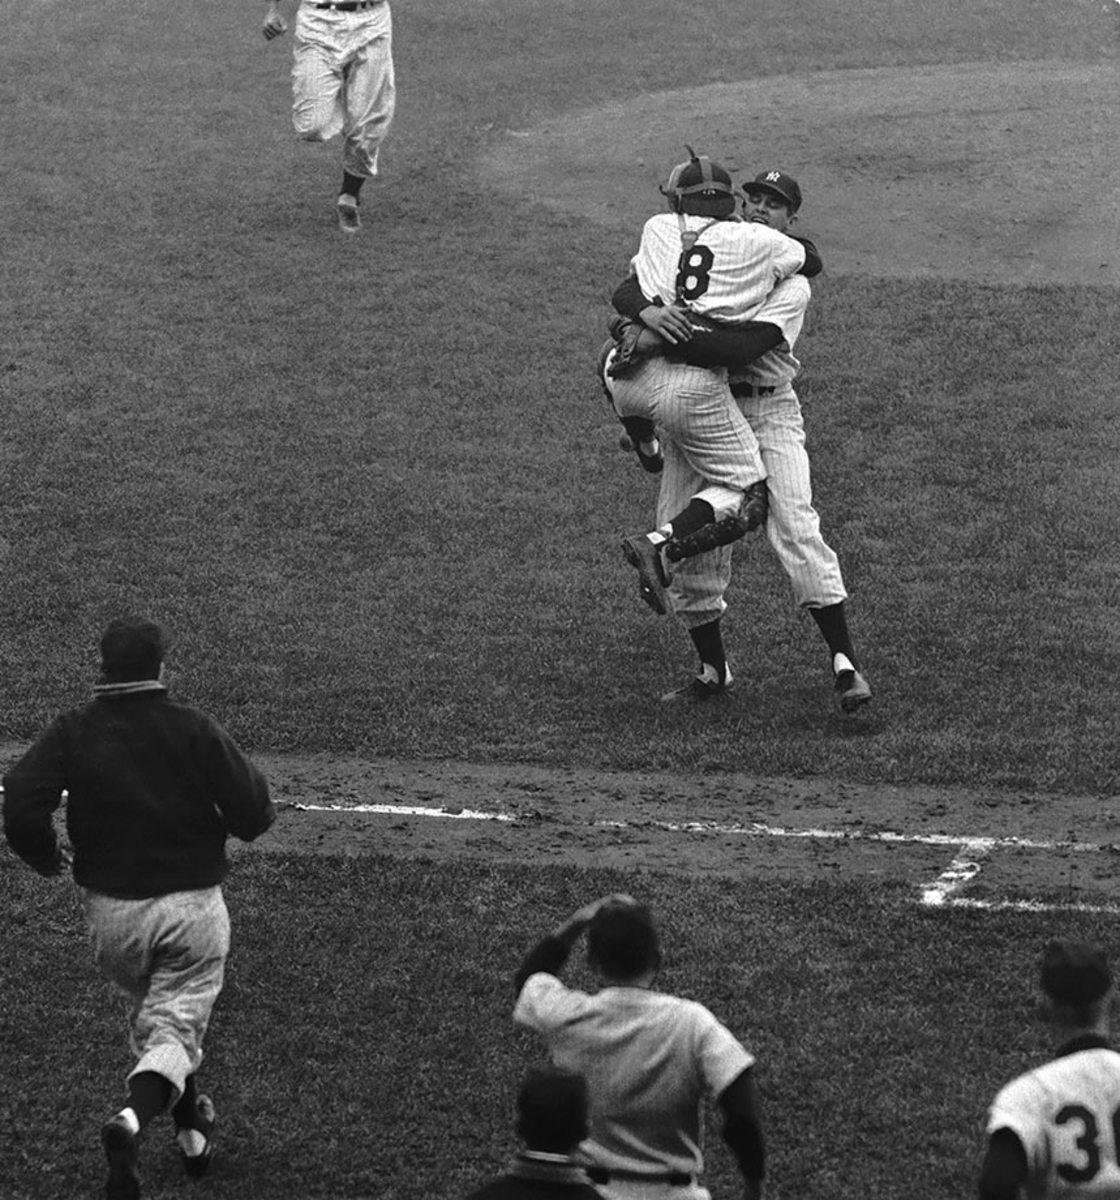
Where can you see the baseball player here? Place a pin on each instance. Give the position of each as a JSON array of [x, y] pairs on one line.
[[763, 388], [342, 83], [650, 1059], [552, 1121], [698, 257], [1053, 1132], [152, 788]]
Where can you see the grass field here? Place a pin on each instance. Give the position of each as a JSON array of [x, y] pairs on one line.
[[371, 488], [363, 1048]]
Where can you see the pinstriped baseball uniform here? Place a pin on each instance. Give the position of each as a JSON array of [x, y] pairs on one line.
[[726, 272], [793, 527], [343, 80], [697, 417]]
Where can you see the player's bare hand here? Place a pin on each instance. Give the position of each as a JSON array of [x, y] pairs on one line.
[[274, 23], [669, 322]]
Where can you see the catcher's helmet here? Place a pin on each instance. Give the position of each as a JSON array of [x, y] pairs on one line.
[[700, 187]]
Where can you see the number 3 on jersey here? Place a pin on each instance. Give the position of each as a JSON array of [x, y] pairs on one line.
[[694, 269]]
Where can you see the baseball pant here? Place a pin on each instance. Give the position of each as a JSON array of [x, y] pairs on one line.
[[168, 955], [794, 528], [697, 415], [343, 81]]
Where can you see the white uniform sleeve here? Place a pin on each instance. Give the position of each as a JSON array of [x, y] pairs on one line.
[[1018, 1108], [721, 1056], [788, 256], [546, 1004], [785, 307]]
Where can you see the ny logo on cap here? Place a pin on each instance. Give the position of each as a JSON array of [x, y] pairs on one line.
[[773, 176]]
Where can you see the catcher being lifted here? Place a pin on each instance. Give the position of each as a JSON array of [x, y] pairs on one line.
[[728, 299]]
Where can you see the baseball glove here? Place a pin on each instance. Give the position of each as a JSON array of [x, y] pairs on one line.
[[626, 334]]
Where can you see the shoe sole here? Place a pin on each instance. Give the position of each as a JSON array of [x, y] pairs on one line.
[[348, 219], [196, 1165], [124, 1171], [650, 588], [852, 704]]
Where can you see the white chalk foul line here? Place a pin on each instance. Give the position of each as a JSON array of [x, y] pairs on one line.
[[752, 829], [965, 866], [962, 870]]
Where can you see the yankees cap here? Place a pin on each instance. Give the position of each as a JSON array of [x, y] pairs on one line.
[[1074, 972], [780, 184]]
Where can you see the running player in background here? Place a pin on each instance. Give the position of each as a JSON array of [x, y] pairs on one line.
[[342, 83], [1052, 1133], [763, 387], [152, 790]]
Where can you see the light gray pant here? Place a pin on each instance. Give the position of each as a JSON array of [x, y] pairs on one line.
[[168, 955], [696, 413], [794, 527], [343, 81]]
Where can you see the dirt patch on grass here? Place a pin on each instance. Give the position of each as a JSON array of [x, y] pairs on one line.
[[730, 825], [989, 172]]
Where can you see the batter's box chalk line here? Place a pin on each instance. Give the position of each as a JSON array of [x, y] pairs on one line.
[[941, 893]]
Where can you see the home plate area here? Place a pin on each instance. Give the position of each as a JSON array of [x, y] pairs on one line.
[[952, 848]]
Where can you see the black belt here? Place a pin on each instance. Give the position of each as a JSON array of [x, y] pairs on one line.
[[349, 5], [747, 390], [676, 1178]]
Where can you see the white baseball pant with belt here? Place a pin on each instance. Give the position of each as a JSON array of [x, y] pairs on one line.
[[343, 80]]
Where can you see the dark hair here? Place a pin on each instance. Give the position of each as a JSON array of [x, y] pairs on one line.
[[622, 941], [132, 648], [552, 1109]]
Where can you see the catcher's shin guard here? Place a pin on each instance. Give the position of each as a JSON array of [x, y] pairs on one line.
[[755, 510], [707, 537]]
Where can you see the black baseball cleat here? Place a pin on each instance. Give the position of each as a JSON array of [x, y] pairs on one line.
[[124, 1160], [850, 691], [645, 557], [704, 687], [756, 505], [197, 1162]]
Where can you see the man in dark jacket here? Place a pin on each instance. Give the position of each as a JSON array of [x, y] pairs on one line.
[[152, 789]]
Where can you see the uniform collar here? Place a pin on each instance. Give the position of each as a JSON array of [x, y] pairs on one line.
[[1083, 1041], [131, 687]]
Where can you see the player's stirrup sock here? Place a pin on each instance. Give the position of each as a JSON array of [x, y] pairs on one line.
[[692, 517], [148, 1095], [833, 625], [709, 645], [185, 1111], [352, 184]]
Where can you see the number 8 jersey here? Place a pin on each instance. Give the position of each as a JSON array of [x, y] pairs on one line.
[[723, 269], [1066, 1114]]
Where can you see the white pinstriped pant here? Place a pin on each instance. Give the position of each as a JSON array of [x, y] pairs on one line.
[[698, 417], [794, 528], [168, 955], [343, 81]]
